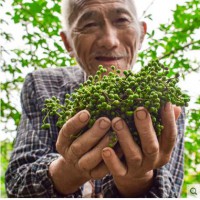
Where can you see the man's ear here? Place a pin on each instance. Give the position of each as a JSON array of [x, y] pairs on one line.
[[66, 43], [143, 26]]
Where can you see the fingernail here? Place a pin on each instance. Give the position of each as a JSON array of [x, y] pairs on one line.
[[106, 153], [119, 125], [141, 114], [103, 124], [83, 117], [168, 106]]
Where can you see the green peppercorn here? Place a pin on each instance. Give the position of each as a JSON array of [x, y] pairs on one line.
[[113, 95]]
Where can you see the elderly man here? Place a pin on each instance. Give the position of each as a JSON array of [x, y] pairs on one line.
[[49, 164]]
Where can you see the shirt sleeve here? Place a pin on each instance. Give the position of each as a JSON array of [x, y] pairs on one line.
[[168, 179], [27, 173]]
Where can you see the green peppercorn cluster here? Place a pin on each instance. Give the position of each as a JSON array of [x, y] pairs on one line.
[[114, 95]]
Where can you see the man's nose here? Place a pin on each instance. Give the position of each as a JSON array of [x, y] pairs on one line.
[[108, 38]]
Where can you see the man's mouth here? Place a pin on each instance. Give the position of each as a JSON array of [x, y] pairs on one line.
[[105, 58]]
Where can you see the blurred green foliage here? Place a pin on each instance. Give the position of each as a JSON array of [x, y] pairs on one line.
[[6, 147], [192, 149], [42, 47]]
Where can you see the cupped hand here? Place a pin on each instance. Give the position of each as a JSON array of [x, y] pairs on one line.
[[80, 158], [134, 176]]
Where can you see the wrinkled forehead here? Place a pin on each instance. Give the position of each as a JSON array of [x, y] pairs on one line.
[[78, 6]]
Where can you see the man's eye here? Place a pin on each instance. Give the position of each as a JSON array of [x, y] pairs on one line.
[[90, 25], [122, 20]]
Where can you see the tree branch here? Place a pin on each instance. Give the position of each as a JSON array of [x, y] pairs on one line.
[[178, 49], [145, 11]]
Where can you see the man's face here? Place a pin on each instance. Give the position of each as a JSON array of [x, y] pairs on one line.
[[104, 32]]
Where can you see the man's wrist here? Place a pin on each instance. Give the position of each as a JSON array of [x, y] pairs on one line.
[[138, 186], [57, 173]]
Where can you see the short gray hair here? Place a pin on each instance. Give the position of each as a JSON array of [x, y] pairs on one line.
[[65, 10], [67, 7]]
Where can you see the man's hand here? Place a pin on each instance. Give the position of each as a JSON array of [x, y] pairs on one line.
[[81, 158], [134, 177]]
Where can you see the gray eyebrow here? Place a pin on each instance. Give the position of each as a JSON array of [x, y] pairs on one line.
[[88, 15], [93, 13], [122, 11]]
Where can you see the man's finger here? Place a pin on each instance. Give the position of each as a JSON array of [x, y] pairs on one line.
[[149, 141], [177, 112], [92, 158], [99, 171], [93, 135], [88, 140], [113, 163], [129, 147], [169, 133], [70, 129]]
